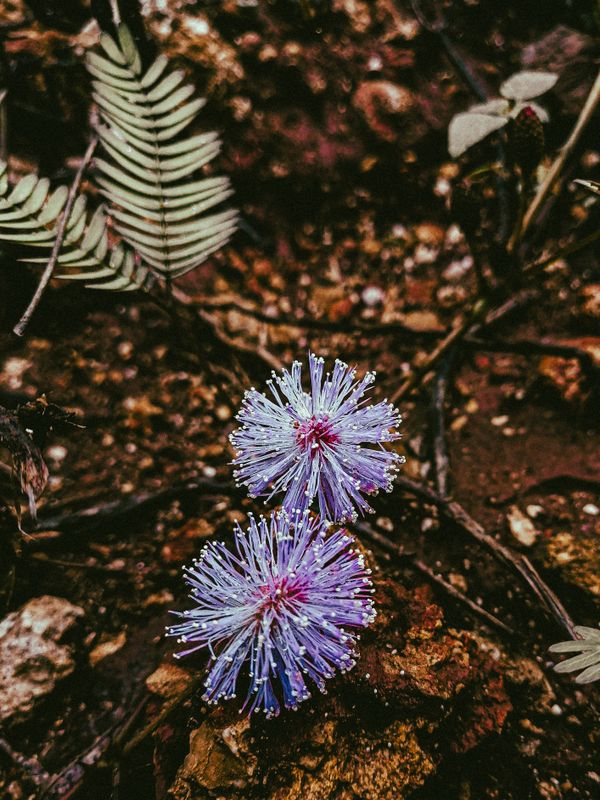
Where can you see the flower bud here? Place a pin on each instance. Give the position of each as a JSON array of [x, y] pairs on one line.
[[527, 140]]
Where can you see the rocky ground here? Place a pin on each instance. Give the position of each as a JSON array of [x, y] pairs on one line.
[[334, 119]]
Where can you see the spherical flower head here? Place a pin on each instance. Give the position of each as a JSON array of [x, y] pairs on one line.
[[326, 443], [275, 609]]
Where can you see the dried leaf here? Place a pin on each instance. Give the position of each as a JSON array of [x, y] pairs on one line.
[[30, 473]]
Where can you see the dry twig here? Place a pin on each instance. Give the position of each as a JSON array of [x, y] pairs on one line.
[[553, 175], [215, 325], [441, 465], [61, 230], [391, 547], [458, 332], [519, 564]]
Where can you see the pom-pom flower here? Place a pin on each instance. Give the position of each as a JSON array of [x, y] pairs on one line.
[[275, 610], [315, 444]]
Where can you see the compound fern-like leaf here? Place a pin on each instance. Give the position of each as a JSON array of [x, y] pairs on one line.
[[29, 216], [588, 660], [156, 206]]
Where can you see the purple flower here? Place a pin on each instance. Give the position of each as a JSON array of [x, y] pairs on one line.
[[277, 604], [315, 444]]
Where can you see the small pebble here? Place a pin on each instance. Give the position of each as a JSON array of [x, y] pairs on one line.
[[125, 350], [442, 187], [534, 511], [372, 296], [57, 453], [223, 413]]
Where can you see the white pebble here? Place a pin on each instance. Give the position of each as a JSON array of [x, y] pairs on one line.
[[57, 453], [372, 296]]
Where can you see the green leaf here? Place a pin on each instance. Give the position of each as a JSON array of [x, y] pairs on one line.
[[22, 190], [29, 216], [147, 174], [111, 49], [54, 206], [129, 49], [154, 72], [588, 660]]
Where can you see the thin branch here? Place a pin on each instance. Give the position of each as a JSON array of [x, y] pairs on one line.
[[438, 27], [61, 230], [518, 302], [553, 483], [531, 347], [380, 539], [164, 714], [515, 236], [478, 610], [587, 112], [567, 250], [49, 529], [440, 454], [345, 326], [366, 328], [457, 333], [471, 341], [67, 781], [252, 350], [116, 13], [3, 126], [30, 766], [519, 564]]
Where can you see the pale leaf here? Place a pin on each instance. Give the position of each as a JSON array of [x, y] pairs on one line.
[[467, 129], [527, 84], [496, 107]]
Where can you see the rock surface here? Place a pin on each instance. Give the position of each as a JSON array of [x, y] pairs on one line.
[[577, 558], [419, 693], [33, 657]]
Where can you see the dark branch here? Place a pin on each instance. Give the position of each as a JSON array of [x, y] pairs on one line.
[[61, 230]]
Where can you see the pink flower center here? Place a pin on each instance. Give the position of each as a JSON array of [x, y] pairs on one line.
[[279, 593], [314, 434]]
